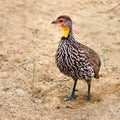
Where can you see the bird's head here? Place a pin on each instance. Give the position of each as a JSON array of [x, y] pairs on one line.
[[66, 23]]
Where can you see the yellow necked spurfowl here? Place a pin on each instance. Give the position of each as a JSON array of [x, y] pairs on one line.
[[75, 59]]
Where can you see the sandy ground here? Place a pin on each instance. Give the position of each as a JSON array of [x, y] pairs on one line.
[[31, 87]]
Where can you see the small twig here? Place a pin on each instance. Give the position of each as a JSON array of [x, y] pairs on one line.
[[69, 106], [30, 66], [114, 7], [109, 10], [33, 76]]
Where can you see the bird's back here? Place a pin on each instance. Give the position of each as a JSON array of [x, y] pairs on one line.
[[77, 60], [94, 59]]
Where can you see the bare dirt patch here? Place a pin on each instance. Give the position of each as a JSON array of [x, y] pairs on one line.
[[31, 87]]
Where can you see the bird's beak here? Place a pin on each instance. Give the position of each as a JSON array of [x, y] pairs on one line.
[[53, 22]]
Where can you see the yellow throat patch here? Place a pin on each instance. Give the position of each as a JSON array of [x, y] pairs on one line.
[[66, 31]]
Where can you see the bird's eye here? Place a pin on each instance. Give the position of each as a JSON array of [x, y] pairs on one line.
[[60, 21]]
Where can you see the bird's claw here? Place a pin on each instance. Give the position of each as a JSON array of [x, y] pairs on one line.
[[88, 99], [67, 98]]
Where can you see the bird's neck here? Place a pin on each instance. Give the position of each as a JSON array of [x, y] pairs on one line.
[[67, 31]]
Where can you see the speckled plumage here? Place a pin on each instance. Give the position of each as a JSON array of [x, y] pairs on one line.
[[77, 60]]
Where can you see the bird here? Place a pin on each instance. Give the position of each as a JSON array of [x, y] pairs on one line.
[[75, 59]]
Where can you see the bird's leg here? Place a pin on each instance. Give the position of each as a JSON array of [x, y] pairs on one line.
[[73, 90], [72, 96], [89, 86]]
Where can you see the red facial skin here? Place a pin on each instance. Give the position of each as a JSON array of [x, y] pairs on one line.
[[60, 21]]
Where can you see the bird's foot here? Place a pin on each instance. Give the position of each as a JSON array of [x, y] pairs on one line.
[[67, 98], [88, 99]]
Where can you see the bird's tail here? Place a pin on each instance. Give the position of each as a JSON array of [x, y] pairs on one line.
[[96, 76]]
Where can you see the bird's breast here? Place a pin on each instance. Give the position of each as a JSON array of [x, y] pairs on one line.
[[72, 61]]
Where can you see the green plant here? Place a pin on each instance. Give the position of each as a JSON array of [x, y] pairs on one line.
[[105, 58], [30, 66]]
